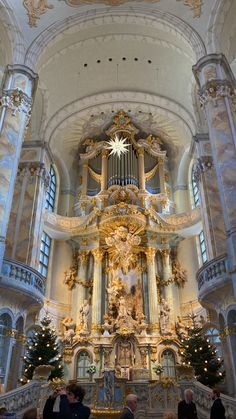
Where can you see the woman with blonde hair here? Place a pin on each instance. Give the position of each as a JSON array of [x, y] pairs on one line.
[[169, 415]]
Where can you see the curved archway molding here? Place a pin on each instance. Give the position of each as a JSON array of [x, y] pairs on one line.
[[105, 102], [143, 16]]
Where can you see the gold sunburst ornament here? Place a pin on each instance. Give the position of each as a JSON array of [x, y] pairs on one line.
[[117, 146]]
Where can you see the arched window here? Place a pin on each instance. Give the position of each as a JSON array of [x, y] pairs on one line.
[[51, 193], [5, 327], [83, 361], [195, 188], [44, 254], [196, 199], [168, 363]]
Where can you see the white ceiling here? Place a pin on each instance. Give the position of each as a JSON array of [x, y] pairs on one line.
[[93, 60]]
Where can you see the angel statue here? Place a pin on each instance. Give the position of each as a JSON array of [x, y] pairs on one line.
[[123, 245], [69, 329]]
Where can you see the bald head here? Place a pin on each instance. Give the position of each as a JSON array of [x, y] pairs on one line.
[[188, 395], [131, 401]]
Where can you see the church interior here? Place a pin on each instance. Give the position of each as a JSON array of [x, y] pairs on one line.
[[118, 193]]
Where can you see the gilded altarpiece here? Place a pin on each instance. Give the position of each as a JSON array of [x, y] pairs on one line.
[[125, 278]]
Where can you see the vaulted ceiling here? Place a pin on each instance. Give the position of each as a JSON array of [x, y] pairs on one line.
[[97, 57]]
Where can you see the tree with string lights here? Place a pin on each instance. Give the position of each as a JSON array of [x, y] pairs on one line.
[[43, 349], [197, 351]]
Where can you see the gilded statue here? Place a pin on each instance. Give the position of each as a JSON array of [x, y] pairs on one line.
[[70, 277], [122, 246], [69, 330], [84, 317], [179, 274], [164, 317]]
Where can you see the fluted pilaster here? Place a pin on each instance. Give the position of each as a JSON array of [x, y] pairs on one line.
[[152, 289], [97, 290]]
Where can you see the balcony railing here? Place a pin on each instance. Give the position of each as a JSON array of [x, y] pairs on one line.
[[212, 276], [211, 271], [22, 277]]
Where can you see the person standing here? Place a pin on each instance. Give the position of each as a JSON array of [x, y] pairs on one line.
[[217, 408], [186, 408], [130, 406], [71, 406]]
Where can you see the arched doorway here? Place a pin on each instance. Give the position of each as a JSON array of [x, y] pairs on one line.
[[168, 363], [5, 336]]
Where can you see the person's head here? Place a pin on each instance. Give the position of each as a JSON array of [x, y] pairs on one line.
[[215, 394], [3, 410], [75, 393], [131, 401], [169, 415], [188, 395], [31, 414]]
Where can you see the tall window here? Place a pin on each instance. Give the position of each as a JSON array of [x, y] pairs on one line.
[[196, 199], [46, 240], [203, 247], [195, 189], [51, 194], [83, 361], [44, 254]]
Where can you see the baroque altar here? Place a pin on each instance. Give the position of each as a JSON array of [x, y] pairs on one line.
[[125, 277]]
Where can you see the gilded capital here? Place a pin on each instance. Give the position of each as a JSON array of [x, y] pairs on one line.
[[97, 254], [82, 256], [150, 254], [105, 152], [140, 151]]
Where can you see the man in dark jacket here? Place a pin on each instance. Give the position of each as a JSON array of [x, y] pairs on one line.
[[71, 406], [186, 408], [130, 406], [217, 409]]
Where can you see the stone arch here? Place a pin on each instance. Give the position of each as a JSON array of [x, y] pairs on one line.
[[143, 15]]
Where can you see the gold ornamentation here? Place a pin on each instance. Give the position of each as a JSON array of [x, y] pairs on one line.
[[96, 176], [179, 274], [67, 354], [35, 8], [98, 255], [70, 277], [82, 257], [150, 254], [215, 90], [149, 175], [195, 5], [123, 247]]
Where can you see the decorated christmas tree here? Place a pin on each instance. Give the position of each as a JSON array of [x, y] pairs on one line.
[[42, 349], [197, 351]]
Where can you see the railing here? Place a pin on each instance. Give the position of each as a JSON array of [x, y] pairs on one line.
[[21, 276], [213, 271], [20, 399], [203, 400], [154, 397]]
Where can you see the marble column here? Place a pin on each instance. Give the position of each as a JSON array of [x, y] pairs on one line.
[[212, 215], [217, 94], [105, 154], [171, 290], [97, 290], [79, 292], [18, 90], [85, 178], [152, 290], [25, 224], [141, 168]]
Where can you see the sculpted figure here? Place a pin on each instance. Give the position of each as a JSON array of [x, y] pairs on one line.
[[84, 316], [69, 329], [165, 316], [125, 353]]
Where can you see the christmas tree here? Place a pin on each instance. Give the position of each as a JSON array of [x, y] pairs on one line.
[[197, 351], [43, 349]]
